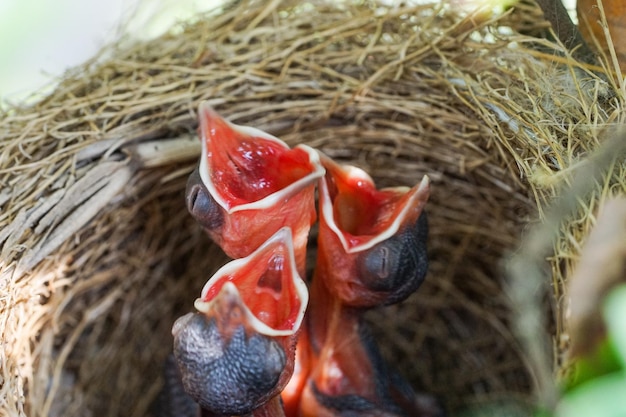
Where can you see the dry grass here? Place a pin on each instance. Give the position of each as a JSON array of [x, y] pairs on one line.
[[98, 254]]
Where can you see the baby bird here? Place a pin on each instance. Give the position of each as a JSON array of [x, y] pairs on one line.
[[249, 184], [371, 252], [236, 354]]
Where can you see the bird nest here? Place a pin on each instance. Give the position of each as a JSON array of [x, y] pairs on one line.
[[99, 255]]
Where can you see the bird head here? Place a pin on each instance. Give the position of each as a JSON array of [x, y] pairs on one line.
[[372, 242], [237, 352], [249, 184]]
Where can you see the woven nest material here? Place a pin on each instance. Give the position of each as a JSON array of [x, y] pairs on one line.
[[99, 255]]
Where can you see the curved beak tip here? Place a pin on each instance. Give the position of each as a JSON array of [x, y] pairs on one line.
[[386, 209], [245, 168], [424, 186], [206, 112], [228, 294]]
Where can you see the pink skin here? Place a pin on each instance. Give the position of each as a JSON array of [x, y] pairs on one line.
[[273, 292], [248, 185], [269, 285], [259, 184], [341, 365], [263, 296], [356, 219]]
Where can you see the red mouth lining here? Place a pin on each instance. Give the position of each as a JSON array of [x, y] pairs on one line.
[[249, 168], [361, 211], [266, 286]]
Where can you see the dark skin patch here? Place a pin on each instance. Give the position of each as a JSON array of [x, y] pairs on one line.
[[395, 396], [345, 405], [201, 205], [397, 265], [233, 377], [355, 405]]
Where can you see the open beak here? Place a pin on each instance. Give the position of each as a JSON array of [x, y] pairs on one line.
[[225, 366], [273, 295], [255, 184], [237, 352], [373, 241]]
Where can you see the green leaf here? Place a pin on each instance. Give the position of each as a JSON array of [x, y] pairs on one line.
[[602, 397], [603, 360], [615, 317]]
